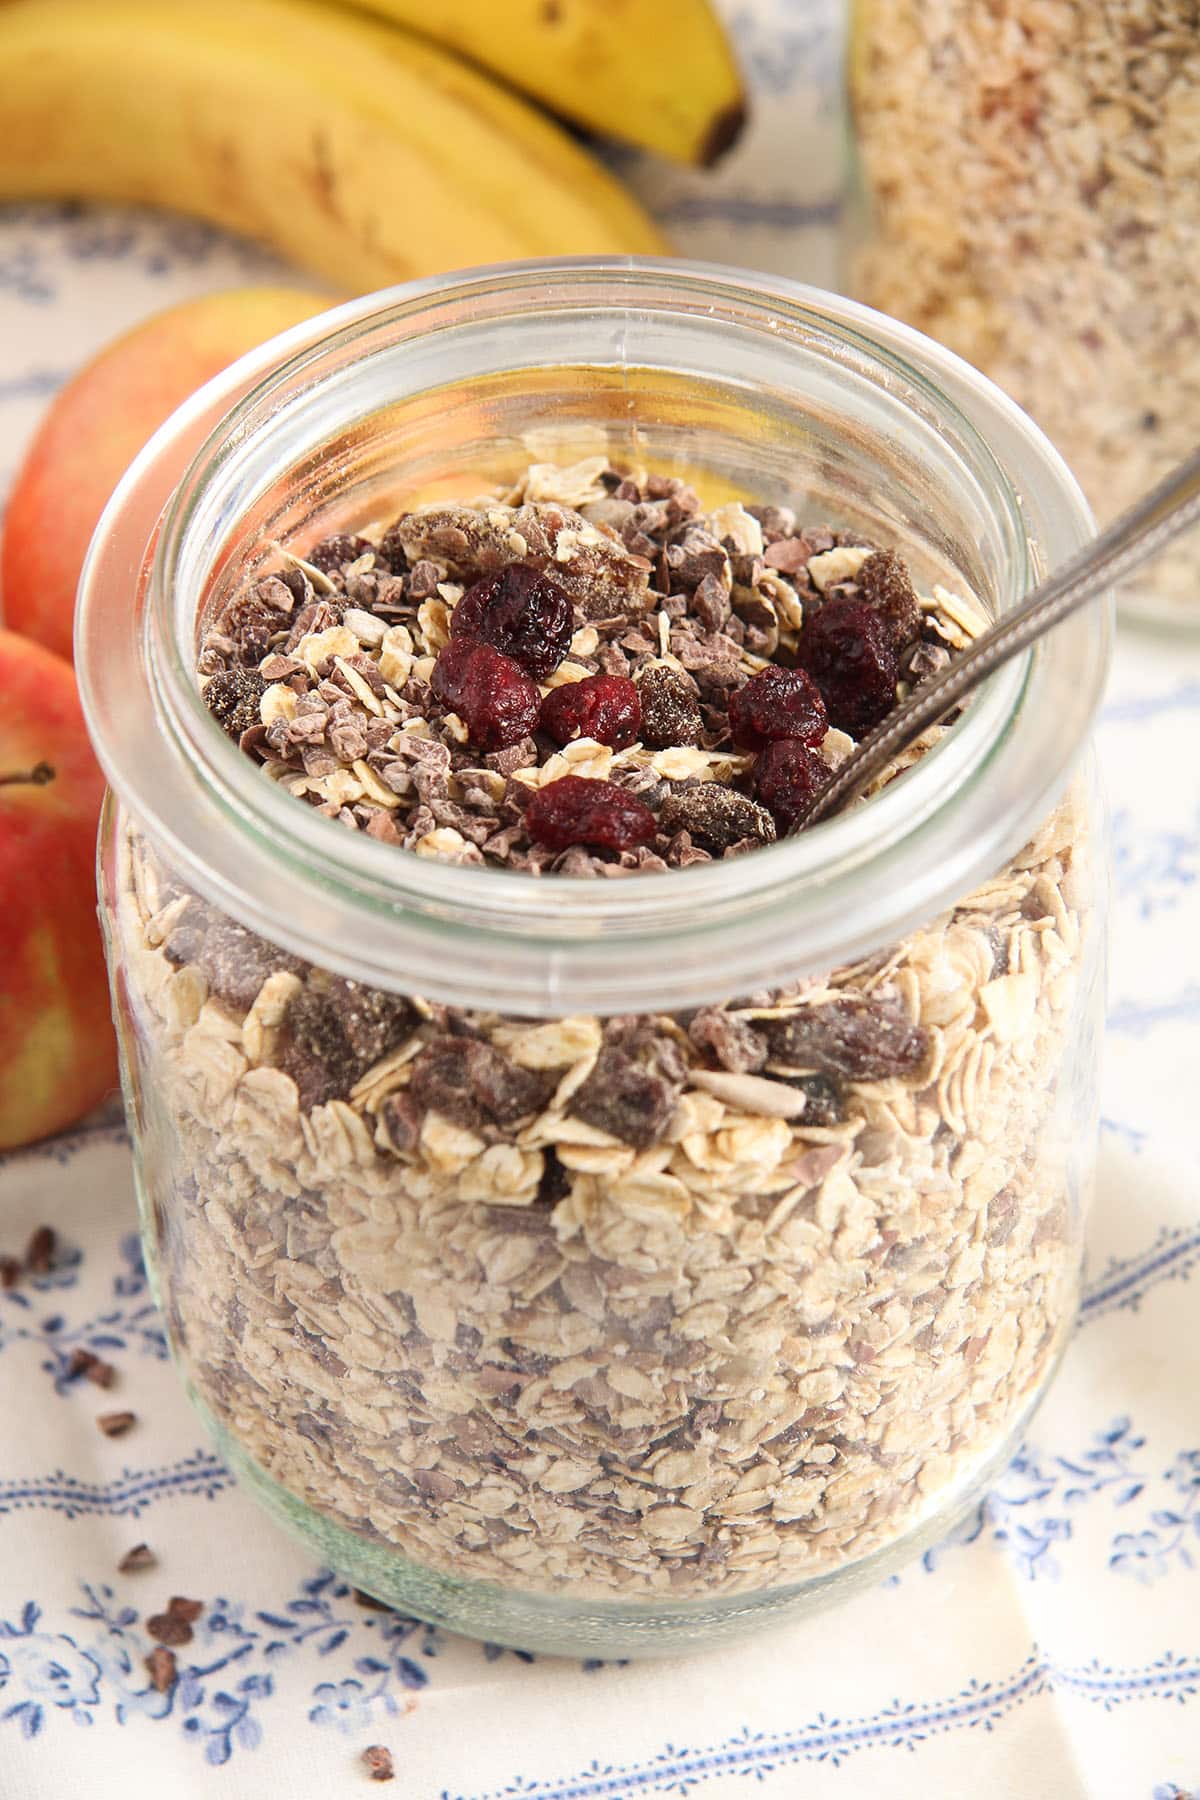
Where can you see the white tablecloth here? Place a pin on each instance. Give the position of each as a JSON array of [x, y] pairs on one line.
[[1052, 1649]]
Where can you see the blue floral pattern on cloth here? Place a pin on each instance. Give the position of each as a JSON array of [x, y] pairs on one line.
[[225, 1679], [1050, 1644]]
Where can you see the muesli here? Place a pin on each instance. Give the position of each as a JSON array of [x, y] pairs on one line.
[[684, 1304], [1032, 172]]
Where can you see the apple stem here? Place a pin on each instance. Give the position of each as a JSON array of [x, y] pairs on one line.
[[38, 776]]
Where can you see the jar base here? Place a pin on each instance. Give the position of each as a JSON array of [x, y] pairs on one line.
[[551, 1626]]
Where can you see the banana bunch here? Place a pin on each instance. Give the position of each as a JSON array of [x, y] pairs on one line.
[[657, 73], [362, 151]]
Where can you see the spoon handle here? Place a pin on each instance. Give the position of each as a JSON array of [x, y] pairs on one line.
[[1131, 540]]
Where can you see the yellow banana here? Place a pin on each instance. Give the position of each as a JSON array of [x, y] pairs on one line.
[[357, 150], [659, 73]]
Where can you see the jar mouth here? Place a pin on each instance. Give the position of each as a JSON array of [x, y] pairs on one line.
[[549, 944]]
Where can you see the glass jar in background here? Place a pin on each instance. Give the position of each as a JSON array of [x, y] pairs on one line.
[[547, 1384], [1032, 200]]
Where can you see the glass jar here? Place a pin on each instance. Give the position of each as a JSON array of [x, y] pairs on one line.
[[1032, 202], [555, 1389]]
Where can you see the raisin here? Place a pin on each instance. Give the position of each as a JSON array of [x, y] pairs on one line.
[[336, 1030], [885, 583], [670, 708], [333, 553], [441, 1082], [847, 648], [717, 816], [492, 694], [235, 961], [863, 1040], [467, 1081], [786, 777], [604, 707], [574, 810], [232, 697], [520, 612], [778, 703], [371, 1022], [622, 1097]]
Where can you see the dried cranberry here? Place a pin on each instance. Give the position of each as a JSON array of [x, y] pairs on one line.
[[491, 694], [576, 811], [520, 612], [848, 650], [604, 707], [786, 777], [778, 703]]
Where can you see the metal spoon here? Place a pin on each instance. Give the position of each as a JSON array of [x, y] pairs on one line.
[[1134, 538]]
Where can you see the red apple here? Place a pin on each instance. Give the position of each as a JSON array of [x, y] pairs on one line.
[[58, 1053], [96, 426]]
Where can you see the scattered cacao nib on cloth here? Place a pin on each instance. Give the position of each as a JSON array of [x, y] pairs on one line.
[[116, 1424], [379, 1763]]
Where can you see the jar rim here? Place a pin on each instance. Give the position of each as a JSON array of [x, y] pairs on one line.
[[548, 945]]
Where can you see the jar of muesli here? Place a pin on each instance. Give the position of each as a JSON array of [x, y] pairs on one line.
[[1030, 175], [586, 1212]]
